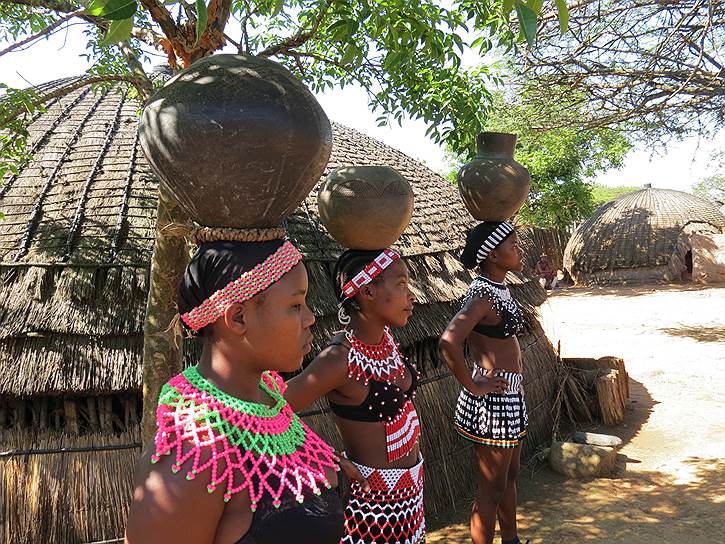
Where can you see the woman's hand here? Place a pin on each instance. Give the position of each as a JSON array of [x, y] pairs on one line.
[[486, 383], [353, 473]]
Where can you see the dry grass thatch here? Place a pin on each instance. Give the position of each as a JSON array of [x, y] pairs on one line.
[[634, 237], [74, 254], [81, 495]]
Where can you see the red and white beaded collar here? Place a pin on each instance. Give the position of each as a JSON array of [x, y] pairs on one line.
[[382, 362], [244, 287], [369, 273]]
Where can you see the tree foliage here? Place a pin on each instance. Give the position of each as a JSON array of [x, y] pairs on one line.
[[406, 55], [712, 187], [654, 66], [601, 194]]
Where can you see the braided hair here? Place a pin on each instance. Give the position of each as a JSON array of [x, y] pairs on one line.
[[347, 266]]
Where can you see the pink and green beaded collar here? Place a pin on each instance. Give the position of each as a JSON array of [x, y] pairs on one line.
[[240, 445], [244, 287]]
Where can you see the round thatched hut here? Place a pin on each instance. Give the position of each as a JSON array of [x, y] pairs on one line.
[[640, 237], [75, 250]]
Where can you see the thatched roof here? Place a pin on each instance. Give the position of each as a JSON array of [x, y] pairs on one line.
[[77, 240], [638, 230]]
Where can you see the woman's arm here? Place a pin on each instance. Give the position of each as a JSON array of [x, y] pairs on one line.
[[167, 507], [452, 342], [325, 373]]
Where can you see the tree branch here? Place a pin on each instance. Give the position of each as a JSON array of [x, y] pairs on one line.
[[299, 38], [42, 33]]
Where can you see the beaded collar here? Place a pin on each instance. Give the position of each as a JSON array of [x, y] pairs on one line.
[[240, 445], [379, 362]]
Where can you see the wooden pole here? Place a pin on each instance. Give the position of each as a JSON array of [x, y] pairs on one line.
[[162, 345], [70, 410]]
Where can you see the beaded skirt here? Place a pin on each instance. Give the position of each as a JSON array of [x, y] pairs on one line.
[[498, 420], [391, 512]]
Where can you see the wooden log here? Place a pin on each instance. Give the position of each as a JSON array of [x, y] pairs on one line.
[[105, 413], [70, 411], [611, 398], [603, 363], [93, 422], [43, 413], [3, 414]]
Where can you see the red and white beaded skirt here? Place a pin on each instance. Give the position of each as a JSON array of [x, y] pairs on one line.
[[391, 512]]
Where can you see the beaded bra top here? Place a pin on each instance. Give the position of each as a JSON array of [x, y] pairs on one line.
[[503, 304], [240, 445], [379, 366]]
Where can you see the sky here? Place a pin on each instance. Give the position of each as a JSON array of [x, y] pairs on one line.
[[677, 166]]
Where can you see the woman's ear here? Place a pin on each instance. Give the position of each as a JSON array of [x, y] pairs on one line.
[[367, 292], [235, 319]]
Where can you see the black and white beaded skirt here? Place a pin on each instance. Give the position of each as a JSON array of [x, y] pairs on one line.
[[498, 420]]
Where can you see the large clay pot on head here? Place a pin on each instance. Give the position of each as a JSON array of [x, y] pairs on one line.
[[365, 207], [237, 140], [493, 185]]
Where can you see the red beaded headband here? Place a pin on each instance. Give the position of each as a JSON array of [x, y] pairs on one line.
[[244, 287], [369, 273]]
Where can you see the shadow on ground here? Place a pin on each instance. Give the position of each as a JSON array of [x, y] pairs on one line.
[[701, 334], [632, 507]]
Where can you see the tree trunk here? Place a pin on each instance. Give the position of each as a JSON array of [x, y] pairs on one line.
[[162, 349]]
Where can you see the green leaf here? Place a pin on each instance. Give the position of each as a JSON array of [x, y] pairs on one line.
[[117, 32], [202, 16], [535, 5], [278, 5], [563, 10], [508, 5], [113, 10], [527, 19]]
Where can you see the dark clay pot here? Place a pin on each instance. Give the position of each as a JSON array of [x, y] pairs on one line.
[[237, 140], [365, 207], [493, 185]]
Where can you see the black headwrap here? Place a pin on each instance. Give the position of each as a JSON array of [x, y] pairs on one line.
[[482, 239], [216, 264]]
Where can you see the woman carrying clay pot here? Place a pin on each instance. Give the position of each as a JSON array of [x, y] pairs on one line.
[[370, 386], [490, 411], [231, 462]]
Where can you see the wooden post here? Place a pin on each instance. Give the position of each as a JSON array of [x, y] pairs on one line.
[[44, 413], [93, 422], [70, 410], [162, 346], [105, 414]]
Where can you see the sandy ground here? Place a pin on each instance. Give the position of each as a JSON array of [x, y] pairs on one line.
[[670, 487]]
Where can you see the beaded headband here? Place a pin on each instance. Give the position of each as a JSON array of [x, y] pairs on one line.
[[492, 241], [246, 286], [369, 273]]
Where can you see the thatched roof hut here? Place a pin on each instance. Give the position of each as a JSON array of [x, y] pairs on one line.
[[640, 237], [74, 267]]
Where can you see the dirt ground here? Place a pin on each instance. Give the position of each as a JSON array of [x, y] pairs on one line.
[[670, 486]]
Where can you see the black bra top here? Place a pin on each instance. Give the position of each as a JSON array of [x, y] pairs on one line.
[[383, 402], [318, 520], [503, 304]]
